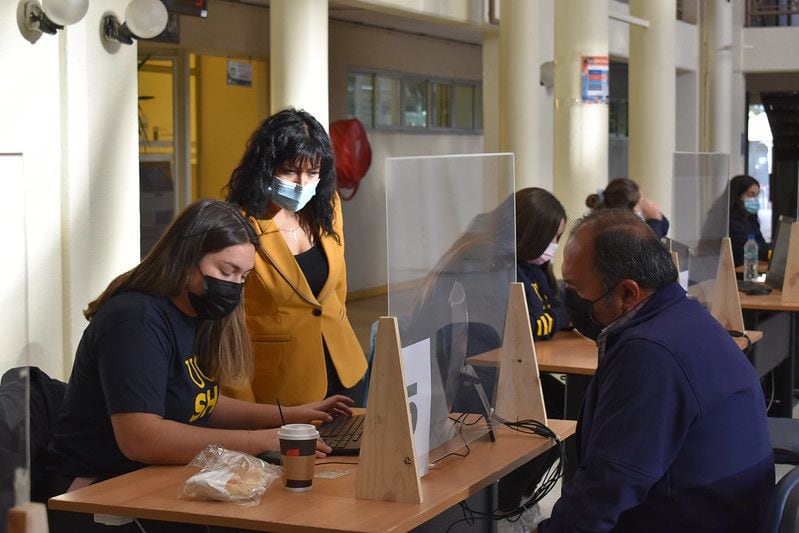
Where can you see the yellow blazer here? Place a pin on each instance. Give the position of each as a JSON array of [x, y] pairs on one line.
[[287, 323]]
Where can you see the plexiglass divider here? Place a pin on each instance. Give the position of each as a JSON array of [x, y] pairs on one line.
[[451, 258], [701, 216]]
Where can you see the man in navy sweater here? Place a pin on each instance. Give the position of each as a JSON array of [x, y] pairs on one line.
[[672, 432]]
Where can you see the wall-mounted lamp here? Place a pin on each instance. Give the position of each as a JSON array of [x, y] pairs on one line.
[[144, 19], [52, 15]]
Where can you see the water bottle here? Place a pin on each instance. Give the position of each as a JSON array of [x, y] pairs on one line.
[[750, 259]]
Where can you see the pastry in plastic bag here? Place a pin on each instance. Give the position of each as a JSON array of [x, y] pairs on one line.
[[229, 476]]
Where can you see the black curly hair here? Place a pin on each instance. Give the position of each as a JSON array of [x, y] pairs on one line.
[[289, 136]]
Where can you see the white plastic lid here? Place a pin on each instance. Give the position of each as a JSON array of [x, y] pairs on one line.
[[298, 432]]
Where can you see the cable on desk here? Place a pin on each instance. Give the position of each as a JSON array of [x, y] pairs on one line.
[[538, 489], [743, 334], [334, 463]]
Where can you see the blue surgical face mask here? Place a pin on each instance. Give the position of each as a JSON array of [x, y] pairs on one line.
[[292, 196], [752, 205]]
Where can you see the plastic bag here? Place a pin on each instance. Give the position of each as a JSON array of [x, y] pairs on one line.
[[228, 476]]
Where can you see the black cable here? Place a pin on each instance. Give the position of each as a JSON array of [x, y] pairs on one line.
[[539, 489], [743, 334], [334, 463]]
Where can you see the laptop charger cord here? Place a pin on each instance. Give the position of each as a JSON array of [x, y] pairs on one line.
[[537, 490]]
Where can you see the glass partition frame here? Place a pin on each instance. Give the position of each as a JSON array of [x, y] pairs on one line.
[[701, 216], [451, 255]]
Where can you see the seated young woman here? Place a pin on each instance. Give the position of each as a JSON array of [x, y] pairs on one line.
[[624, 193], [144, 388]]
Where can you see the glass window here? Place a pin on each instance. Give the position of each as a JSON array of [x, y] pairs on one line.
[[387, 101], [464, 107], [360, 95], [393, 100], [440, 108], [478, 107], [414, 103]]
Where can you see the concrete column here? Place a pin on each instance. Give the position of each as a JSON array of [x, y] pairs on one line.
[[298, 56], [491, 99], [581, 129], [653, 106], [722, 85], [519, 88]]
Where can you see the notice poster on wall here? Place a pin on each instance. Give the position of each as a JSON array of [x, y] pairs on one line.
[[594, 76], [239, 73]]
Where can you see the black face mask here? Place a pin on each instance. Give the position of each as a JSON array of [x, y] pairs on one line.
[[218, 300], [581, 313]]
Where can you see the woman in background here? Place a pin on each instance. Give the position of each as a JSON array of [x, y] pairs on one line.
[[304, 348], [623, 193], [744, 204]]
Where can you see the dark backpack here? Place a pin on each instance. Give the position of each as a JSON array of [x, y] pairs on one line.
[[46, 397]]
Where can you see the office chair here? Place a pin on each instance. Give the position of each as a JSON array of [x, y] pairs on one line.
[[784, 433], [782, 515]]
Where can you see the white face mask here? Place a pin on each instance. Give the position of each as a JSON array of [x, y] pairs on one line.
[[292, 196], [548, 254]]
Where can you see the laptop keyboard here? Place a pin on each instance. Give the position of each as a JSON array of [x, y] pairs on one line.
[[343, 434], [753, 287]]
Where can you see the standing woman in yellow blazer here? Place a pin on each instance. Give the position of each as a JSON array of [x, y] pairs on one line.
[[303, 345]]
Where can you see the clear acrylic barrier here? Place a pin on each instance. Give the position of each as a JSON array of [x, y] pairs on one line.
[[451, 258], [701, 216]]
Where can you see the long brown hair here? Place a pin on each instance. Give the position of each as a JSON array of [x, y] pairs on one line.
[[206, 226], [538, 215]]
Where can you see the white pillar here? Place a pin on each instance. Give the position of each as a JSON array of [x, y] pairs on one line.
[[519, 88], [298, 56], [723, 88], [581, 129], [491, 99], [653, 108]]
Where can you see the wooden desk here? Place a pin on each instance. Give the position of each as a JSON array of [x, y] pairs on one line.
[[778, 351], [569, 352], [762, 268], [331, 504]]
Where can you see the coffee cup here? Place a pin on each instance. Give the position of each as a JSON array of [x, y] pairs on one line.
[[298, 455]]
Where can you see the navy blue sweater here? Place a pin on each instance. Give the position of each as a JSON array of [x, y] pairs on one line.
[[672, 432]]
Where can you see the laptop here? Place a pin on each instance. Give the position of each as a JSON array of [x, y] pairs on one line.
[[343, 434], [779, 253]]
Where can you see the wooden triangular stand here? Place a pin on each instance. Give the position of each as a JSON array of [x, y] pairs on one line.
[[387, 466], [790, 284], [726, 306], [519, 395]]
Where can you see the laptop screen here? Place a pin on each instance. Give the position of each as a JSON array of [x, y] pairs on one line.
[[779, 253]]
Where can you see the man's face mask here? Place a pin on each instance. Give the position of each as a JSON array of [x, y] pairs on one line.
[[218, 300], [581, 313], [292, 196]]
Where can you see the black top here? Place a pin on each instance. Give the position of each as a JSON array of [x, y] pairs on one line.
[[740, 229], [313, 264], [136, 356]]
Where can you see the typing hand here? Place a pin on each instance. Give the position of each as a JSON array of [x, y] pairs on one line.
[[325, 410], [322, 449]]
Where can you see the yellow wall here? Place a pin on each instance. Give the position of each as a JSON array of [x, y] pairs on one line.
[[227, 115]]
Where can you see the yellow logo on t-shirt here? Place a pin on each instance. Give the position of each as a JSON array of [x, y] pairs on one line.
[[205, 401]]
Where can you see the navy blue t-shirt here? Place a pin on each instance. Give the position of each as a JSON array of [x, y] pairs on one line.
[[136, 356]]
